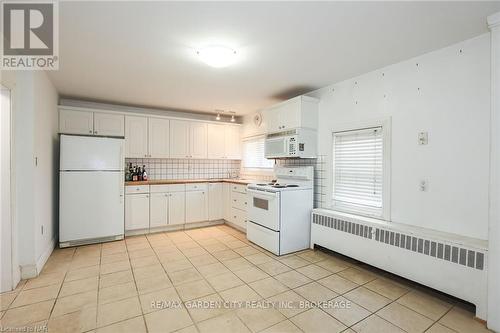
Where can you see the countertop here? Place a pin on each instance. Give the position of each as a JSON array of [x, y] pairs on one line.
[[188, 181]]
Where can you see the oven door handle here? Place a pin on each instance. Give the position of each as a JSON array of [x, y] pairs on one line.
[[263, 194]]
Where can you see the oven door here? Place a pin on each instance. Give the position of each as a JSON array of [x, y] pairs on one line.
[[276, 147], [264, 209]]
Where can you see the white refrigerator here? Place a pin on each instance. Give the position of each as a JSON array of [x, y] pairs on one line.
[[91, 184]]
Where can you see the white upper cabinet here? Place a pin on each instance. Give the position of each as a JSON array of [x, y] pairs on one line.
[[159, 137], [298, 112], [232, 142], [76, 122], [197, 140], [179, 139], [216, 141], [108, 124], [91, 123], [188, 139], [136, 137]]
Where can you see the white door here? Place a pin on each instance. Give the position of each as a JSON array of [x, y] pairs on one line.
[[136, 211], [159, 138], [158, 210], [198, 140], [177, 208], [196, 206], [108, 124], [232, 142], [90, 205], [216, 141], [6, 278], [215, 201], [136, 136], [179, 139], [76, 122]]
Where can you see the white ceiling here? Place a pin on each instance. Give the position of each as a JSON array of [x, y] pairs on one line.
[[143, 53]]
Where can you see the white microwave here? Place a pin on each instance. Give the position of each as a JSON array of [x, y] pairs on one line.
[[300, 143]]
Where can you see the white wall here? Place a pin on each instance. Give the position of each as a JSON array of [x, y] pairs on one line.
[[46, 150], [35, 186], [446, 94]]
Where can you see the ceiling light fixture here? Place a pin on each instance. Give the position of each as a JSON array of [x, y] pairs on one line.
[[218, 114], [217, 56]]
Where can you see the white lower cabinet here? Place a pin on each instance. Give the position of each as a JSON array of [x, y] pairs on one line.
[[196, 203], [215, 201], [226, 197], [177, 208], [167, 205], [136, 211], [238, 204], [158, 210]]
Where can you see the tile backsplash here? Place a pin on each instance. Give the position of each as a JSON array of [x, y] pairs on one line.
[[167, 168]]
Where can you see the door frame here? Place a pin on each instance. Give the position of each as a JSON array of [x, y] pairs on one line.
[[8, 278]]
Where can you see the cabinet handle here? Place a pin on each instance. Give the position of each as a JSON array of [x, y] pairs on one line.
[[90, 132], [95, 132]]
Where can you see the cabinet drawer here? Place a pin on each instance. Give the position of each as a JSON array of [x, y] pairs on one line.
[[238, 217], [239, 188], [197, 187], [268, 239], [131, 189], [168, 188], [239, 200]]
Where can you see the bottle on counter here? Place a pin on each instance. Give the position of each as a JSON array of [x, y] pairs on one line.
[[134, 174], [128, 174], [144, 173]]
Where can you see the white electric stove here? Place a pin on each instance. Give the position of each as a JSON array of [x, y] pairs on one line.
[[279, 213]]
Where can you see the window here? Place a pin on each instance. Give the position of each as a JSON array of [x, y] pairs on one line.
[[253, 154], [358, 171]]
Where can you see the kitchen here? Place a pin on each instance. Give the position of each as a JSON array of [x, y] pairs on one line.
[[225, 189]]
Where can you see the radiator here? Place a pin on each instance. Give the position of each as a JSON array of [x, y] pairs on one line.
[[455, 268]]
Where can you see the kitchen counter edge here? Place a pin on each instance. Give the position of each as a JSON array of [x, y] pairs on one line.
[[189, 181]]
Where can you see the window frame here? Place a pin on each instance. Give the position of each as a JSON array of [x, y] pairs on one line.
[[255, 169], [385, 124]]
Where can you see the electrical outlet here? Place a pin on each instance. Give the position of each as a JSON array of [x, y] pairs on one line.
[[423, 138], [423, 185]]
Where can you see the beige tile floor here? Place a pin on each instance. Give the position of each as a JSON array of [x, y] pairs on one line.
[[185, 281]]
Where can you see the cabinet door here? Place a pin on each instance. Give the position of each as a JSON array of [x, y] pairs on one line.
[[198, 140], [136, 136], [289, 115], [108, 124], [196, 206], [272, 120], [177, 208], [159, 137], [76, 122], [215, 202], [136, 211], [158, 210], [216, 139], [179, 139], [232, 142], [226, 199]]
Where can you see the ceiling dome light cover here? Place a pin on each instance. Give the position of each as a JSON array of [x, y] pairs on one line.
[[217, 56]]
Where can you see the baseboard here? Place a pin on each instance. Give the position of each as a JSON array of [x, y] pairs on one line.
[[28, 272], [45, 256], [235, 226]]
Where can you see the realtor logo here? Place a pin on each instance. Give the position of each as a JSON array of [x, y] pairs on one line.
[[29, 35]]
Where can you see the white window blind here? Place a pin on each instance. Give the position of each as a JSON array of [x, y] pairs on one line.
[[253, 154], [358, 171]]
